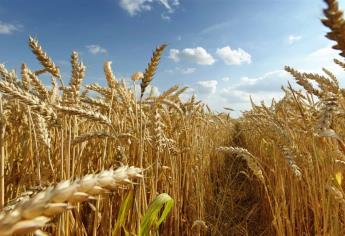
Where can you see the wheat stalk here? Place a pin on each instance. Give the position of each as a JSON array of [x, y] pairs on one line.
[[248, 157], [98, 134]]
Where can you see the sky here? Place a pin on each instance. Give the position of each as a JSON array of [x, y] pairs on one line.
[[224, 50]]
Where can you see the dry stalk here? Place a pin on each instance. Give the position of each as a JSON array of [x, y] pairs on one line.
[[98, 134], [248, 157]]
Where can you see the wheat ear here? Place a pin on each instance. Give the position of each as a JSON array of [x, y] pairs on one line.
[[91, 115], [43, 57], [109, 75], [9, 76], [78, 73], [335, 22], [29, 99], [32, 214], [151, 68]]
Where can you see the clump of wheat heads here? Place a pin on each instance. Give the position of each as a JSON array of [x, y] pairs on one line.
[[78, 128]]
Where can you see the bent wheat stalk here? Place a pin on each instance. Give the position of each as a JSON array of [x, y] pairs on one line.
[[32, 214]]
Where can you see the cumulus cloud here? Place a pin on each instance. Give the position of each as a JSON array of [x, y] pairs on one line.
[[325, 52], [174, 55], [150, 89], [153, 90], [237, 94], [134, 7], [196, 55], [233, 56], [269, 82], [294, 38], [261, 87], [319, 58], [266, 86], [6, 28], [96, 49], [233, 96], [207, 87]]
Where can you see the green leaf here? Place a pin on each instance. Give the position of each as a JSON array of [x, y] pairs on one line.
[[123, 213], [151, 218]]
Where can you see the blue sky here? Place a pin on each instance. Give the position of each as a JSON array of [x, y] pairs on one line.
[[224, 50]]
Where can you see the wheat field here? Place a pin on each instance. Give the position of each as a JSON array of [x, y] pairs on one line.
[[86, 159]]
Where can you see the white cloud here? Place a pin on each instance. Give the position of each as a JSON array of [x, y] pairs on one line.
[[134, 7], [237, 94], [294, 38], [234, 96], [187, 71], [207, 86], [6, 28], [174, 55], [266, 86], [184, 71], [215, 27], [153, 90], [325, 52], [165, 3], [197, 55], [165, 17], [96, 49], [233, 56], [186, 95], [318, 59], [269, 82], [150, 89]]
